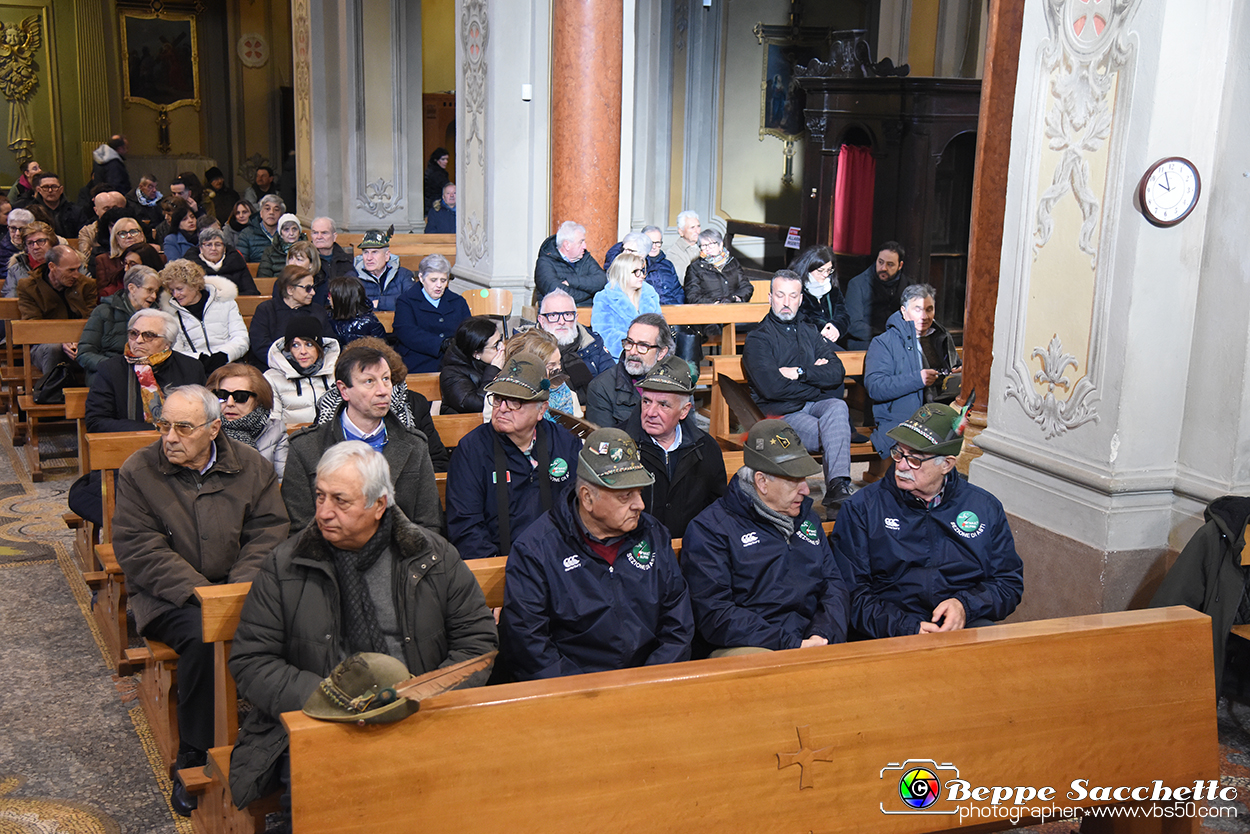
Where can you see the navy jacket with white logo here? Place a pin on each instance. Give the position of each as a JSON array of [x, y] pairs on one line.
[[750, 586], [901, 558], [566, 611]]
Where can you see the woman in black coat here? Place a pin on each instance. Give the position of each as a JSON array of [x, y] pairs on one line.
[[467, 365], [823, 306], [293, 293], [436, 176], [216, 257]]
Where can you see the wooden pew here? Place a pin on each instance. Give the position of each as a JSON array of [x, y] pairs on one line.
[[248, 304], [11, 365], [387, 319], [85, 534], [426, 385], [265, 285], [26, 334], [453, 427], [726, 315], [808, 739]]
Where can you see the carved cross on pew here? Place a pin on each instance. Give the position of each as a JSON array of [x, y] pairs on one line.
[[805, 757]]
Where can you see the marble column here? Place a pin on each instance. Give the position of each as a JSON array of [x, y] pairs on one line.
[[586, 117]]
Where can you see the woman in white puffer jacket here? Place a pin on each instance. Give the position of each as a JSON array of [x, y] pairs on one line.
[[210, 327], [301, 370]]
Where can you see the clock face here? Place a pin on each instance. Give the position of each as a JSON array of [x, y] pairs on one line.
[[1169, 191]]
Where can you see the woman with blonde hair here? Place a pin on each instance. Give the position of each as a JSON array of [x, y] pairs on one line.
[[210, 326], [541, 343], [626, 296]]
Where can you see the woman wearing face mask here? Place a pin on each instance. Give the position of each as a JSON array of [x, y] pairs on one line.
[[301, 369], [104, 334], [427, 316], [274, 258], [823, 306], [247, 412]]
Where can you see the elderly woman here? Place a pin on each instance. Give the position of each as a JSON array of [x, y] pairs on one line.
[[274, 258], [301, 369], [350, 312], [38, 238], [823, 306], [426, 316], [241, 216], [472, 360], [104, 334], [292, 298], [108, 265], [184, 234], [247, 412], [218, 259], [626, 296], [210, 326], [715, 277], [11, 244]]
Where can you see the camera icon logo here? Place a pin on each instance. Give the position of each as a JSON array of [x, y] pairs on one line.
[[919, 785]]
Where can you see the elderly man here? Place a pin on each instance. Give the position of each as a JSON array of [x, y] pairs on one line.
[[335, 262], [508, 472], [145, 203], [760, 570], [613, 395], [442, 217], [686, 463], [363, 378], [922, 549], [582, 352], [795, 373], [56, 290], [593, 584], [874, 295], [264, 185], [660, 274], [50, 195], [564, 262], [259, 236], [195, 508], [685, 248], [909, 364], [103, 198], [384, 279], [362, 579]]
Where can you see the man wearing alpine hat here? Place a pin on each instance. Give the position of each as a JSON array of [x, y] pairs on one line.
[[923, 549], [506, 473], [760, 571], [593, 584]]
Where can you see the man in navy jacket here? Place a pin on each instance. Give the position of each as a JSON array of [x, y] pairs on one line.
[[517, 461], [593, 585], [922, 549], [759, 567]]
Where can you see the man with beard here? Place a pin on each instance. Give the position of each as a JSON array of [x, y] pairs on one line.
[[795, 374], [582, 352], [874, 295], [613, 395]]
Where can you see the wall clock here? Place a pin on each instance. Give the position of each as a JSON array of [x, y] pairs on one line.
[[1169, 191]]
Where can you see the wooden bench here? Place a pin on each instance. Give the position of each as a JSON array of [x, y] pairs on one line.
[[726, 315], [85, 533], [11, 367], [452, 428], [387, 319], [426, 385], [808, 739], [248, 304], [265, 285], [27, 334]]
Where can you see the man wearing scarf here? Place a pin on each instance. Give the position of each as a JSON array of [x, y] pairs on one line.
[[193, 509], [363, 578]]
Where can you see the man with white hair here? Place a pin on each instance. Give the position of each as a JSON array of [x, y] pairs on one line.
[[564, 262], [441, 219], [685, 248], [582, 352], [193, 509], [257, 237], [363, 578]]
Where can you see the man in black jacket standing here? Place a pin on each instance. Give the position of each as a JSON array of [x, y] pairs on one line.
[[687, 464], [795, 374]]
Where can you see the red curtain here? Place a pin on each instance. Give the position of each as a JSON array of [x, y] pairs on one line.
[[852, 201]]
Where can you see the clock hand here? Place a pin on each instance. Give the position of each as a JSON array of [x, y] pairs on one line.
[[1164, 185]]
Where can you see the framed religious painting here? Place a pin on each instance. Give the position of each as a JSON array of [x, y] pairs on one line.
[[781, 98], [161, 67]]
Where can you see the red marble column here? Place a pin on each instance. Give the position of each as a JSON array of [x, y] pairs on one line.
[[989, 194], [586, 117]]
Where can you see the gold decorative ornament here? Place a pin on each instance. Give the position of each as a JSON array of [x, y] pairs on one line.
[[18, 44]]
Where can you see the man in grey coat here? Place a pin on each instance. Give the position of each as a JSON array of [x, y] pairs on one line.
[[195, 508], [362, 578]]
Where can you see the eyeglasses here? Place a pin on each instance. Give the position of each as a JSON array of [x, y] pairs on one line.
[[129, 233], [181, 429], [637, 347], [913, 460], [143, 335], [50, 188], [305, 287], [240, 397], [498, 401], [37, 241], [642, 273], [709, 243], [562, 315]]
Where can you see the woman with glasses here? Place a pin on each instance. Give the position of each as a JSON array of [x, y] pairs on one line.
[[426, 316], [626, 296], [11, 246], [823, 306], [247, 412], [219, 259], [38, 238], [715, 277], [184, 234], [293, 295], [540, 343], [104, 334], [115, 231], [472, 360], [351, 314], [210, 326], [301, 369], [303, 253]]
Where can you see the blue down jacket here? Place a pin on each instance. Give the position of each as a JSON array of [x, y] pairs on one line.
[[567, 611], [901, 558], [612, 313], [750, 586], [892, 375], [384, 290], [472, 510]]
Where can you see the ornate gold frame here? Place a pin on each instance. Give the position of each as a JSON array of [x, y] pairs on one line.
[[190, 18], [821, 39]]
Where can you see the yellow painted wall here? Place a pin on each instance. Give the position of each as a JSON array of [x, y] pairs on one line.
[[438, 46], [922, 36]]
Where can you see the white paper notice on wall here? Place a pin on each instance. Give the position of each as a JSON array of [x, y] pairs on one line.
[[792, 239]]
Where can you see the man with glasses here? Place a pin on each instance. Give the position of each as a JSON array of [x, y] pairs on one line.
[[363, 377], [922, 549], [582, 352], [50, 194], [506, 473], [193, 509], [53, 291], [613, 395]]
